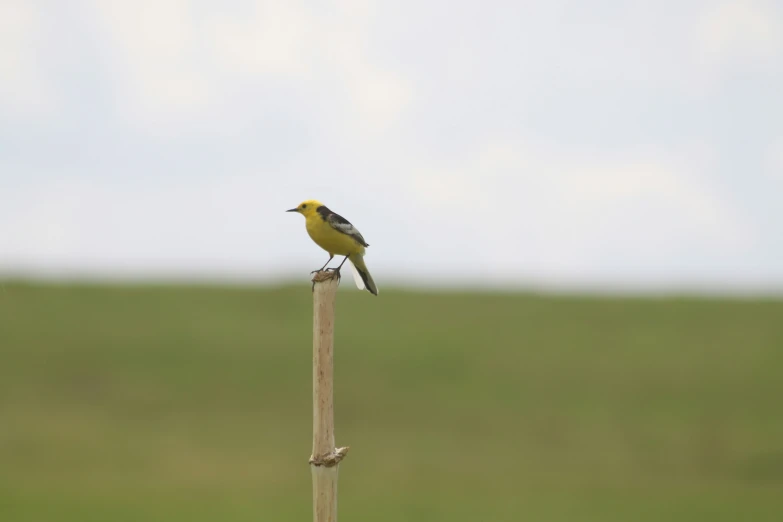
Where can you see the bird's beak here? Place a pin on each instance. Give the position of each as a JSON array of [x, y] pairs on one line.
[[293, 210]]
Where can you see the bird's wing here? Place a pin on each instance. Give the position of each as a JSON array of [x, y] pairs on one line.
[[341, 224]]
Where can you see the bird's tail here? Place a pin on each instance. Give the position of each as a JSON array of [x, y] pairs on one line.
[[361, 275]]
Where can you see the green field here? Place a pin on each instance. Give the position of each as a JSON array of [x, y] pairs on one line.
[[193, 404]]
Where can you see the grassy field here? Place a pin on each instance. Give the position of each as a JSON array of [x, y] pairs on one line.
[[193, 404]]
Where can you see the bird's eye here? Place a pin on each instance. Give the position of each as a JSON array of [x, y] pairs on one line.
[[304, 206]]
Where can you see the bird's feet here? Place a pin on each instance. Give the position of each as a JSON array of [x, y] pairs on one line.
[[325, 275], [331, 256], [335, 270]]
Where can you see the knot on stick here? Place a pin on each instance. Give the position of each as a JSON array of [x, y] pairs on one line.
[[330, 459]]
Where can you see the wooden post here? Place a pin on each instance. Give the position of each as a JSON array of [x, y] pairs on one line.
[[325, 458]]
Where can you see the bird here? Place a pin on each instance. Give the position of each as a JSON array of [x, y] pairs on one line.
[[337, 235]]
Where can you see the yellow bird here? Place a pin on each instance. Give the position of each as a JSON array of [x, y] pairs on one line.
[[337, 235]]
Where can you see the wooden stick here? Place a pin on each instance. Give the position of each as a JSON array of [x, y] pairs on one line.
[[325, 458]]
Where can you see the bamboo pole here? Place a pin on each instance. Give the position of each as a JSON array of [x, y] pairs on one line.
[[325, 457]]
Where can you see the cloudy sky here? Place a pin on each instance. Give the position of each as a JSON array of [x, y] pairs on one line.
[[554, 143]]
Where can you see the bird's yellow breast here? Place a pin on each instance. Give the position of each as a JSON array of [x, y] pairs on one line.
[[330, 239]]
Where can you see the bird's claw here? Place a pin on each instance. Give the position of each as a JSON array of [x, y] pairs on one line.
[[329, 273]]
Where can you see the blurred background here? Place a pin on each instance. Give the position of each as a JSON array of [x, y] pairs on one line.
[[574, 210]]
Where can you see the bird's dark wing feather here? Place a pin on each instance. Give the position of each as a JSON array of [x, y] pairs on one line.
[[339, 223]]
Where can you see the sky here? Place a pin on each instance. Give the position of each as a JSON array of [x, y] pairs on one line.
[[504, 143]]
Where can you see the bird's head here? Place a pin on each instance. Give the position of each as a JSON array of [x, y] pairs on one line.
[[307, 208]]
